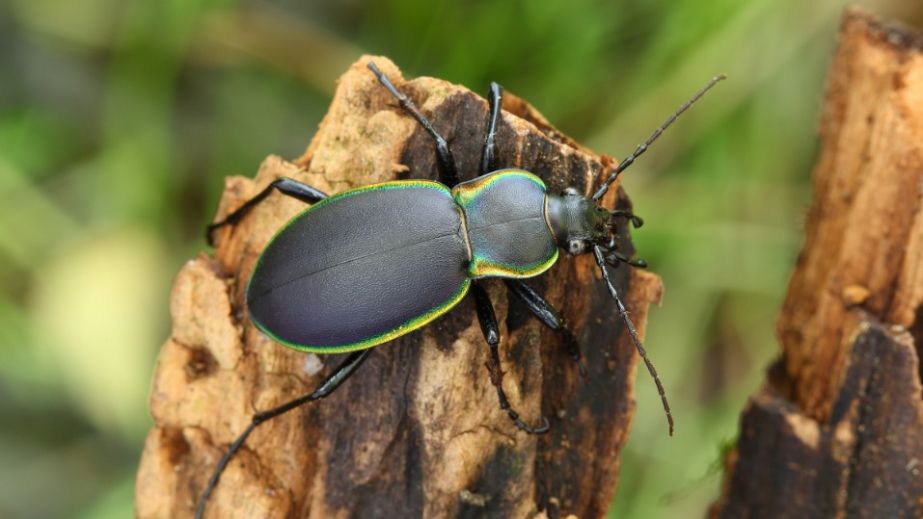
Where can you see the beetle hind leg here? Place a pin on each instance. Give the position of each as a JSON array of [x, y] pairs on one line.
[[491, 329], [286, 186], [327, 386]]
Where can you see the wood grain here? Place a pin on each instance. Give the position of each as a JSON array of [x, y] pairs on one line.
[[837, 431]]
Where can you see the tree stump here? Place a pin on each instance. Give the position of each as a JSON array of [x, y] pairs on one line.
[[837, 430], [418, 431]]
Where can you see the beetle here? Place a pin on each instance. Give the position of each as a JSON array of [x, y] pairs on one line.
[[422, 246]]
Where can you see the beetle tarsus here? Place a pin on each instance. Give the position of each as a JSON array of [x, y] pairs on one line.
[[636, 221], [285, 185], [495, 102], [573, 347], [582, 369], [616, 257], [491, 330], [445, 162], [522, 426], [327, 386]]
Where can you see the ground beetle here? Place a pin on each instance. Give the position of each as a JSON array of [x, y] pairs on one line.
[[420, 245]]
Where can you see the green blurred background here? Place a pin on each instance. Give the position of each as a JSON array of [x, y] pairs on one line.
[[119, 119]]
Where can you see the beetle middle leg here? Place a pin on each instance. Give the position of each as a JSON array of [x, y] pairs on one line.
[[491, 329], [548, 316], [285, 185], [445, 162], [327, 386]]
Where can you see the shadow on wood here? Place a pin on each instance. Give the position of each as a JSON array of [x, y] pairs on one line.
[[418, 430]]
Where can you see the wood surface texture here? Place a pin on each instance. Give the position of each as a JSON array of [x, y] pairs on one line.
[[837, 430]]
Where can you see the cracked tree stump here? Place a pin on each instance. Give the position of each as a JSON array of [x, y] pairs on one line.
[[837, 431], [418, 431]]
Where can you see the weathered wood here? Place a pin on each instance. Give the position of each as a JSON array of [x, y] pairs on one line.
[[863, 461], [417, 432], [837, 431]]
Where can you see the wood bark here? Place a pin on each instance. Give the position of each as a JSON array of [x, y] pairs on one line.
[[837, 430], [417, 432]]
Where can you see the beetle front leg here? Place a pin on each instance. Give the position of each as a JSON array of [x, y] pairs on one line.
[[488, 320], [286, 186], [548, 316], [616, 257], [636, 221]]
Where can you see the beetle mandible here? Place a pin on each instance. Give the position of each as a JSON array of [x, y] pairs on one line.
[[444, 237]]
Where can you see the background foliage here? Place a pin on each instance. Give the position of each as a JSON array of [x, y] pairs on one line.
[[119, 119]]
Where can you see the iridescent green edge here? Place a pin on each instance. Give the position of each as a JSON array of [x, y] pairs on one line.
[[480, 266], [466, 192], [409, 326]]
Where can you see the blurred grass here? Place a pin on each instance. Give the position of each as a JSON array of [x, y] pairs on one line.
[[118, 121]]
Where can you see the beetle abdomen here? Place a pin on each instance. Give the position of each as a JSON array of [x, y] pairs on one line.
[[361, 268], [507, 228]]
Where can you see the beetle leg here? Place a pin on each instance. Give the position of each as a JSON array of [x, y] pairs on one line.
[[285, 185], [491, 330], [448, 174], [495, 100], [616, 256], [549, 317], [327, 386], [636, 221]]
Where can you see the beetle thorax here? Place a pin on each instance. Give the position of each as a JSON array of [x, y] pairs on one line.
[[577, 222]]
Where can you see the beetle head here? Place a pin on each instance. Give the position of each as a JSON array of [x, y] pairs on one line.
[[579, 223]]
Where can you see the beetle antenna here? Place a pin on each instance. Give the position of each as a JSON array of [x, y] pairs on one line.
[[629, 160], [601, 261]]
